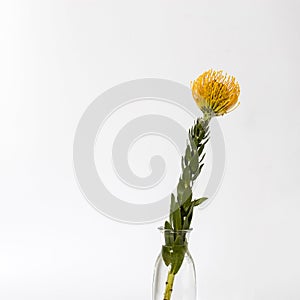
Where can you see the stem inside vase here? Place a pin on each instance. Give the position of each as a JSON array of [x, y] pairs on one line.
[[169, 286]]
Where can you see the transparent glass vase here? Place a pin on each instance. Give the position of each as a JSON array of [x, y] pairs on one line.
[[182, 284]]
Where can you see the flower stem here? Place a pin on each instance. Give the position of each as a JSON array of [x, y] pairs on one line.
[[169, 286]]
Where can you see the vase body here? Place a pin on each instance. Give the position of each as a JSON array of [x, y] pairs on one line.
[[183, 285]]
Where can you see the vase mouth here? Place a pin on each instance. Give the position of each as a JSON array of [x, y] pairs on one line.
[[163, 229]]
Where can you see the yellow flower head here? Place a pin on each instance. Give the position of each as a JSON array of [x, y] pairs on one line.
[[216, 93]]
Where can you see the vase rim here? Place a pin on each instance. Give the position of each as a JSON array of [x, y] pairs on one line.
[[163, 229]]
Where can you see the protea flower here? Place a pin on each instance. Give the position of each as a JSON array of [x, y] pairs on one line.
[[215, 93]]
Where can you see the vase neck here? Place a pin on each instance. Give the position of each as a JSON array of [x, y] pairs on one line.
[[173, 234]]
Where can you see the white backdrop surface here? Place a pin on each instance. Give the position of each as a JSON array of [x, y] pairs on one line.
[[58, 56]]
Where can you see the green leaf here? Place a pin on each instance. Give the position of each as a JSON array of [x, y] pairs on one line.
[[168, 226], [178, 240], [180, 187], [183, 211], [206, 134], [166, 254], [201, 135], [194, 147], [202, 147], [177, 218], [186, 175], [194, 163], [200, 167], [182, 163], [169, 235], [197, 172], [202, 157], [188, 219], [190, 216], [172, 208], [196, 175], [199, 201], [186, 224], [188, 154], [177, 257], [187, 197]]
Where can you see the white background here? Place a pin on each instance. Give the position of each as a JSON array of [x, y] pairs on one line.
[[58, 56]]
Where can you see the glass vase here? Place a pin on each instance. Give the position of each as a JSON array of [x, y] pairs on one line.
[[174, 273]]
